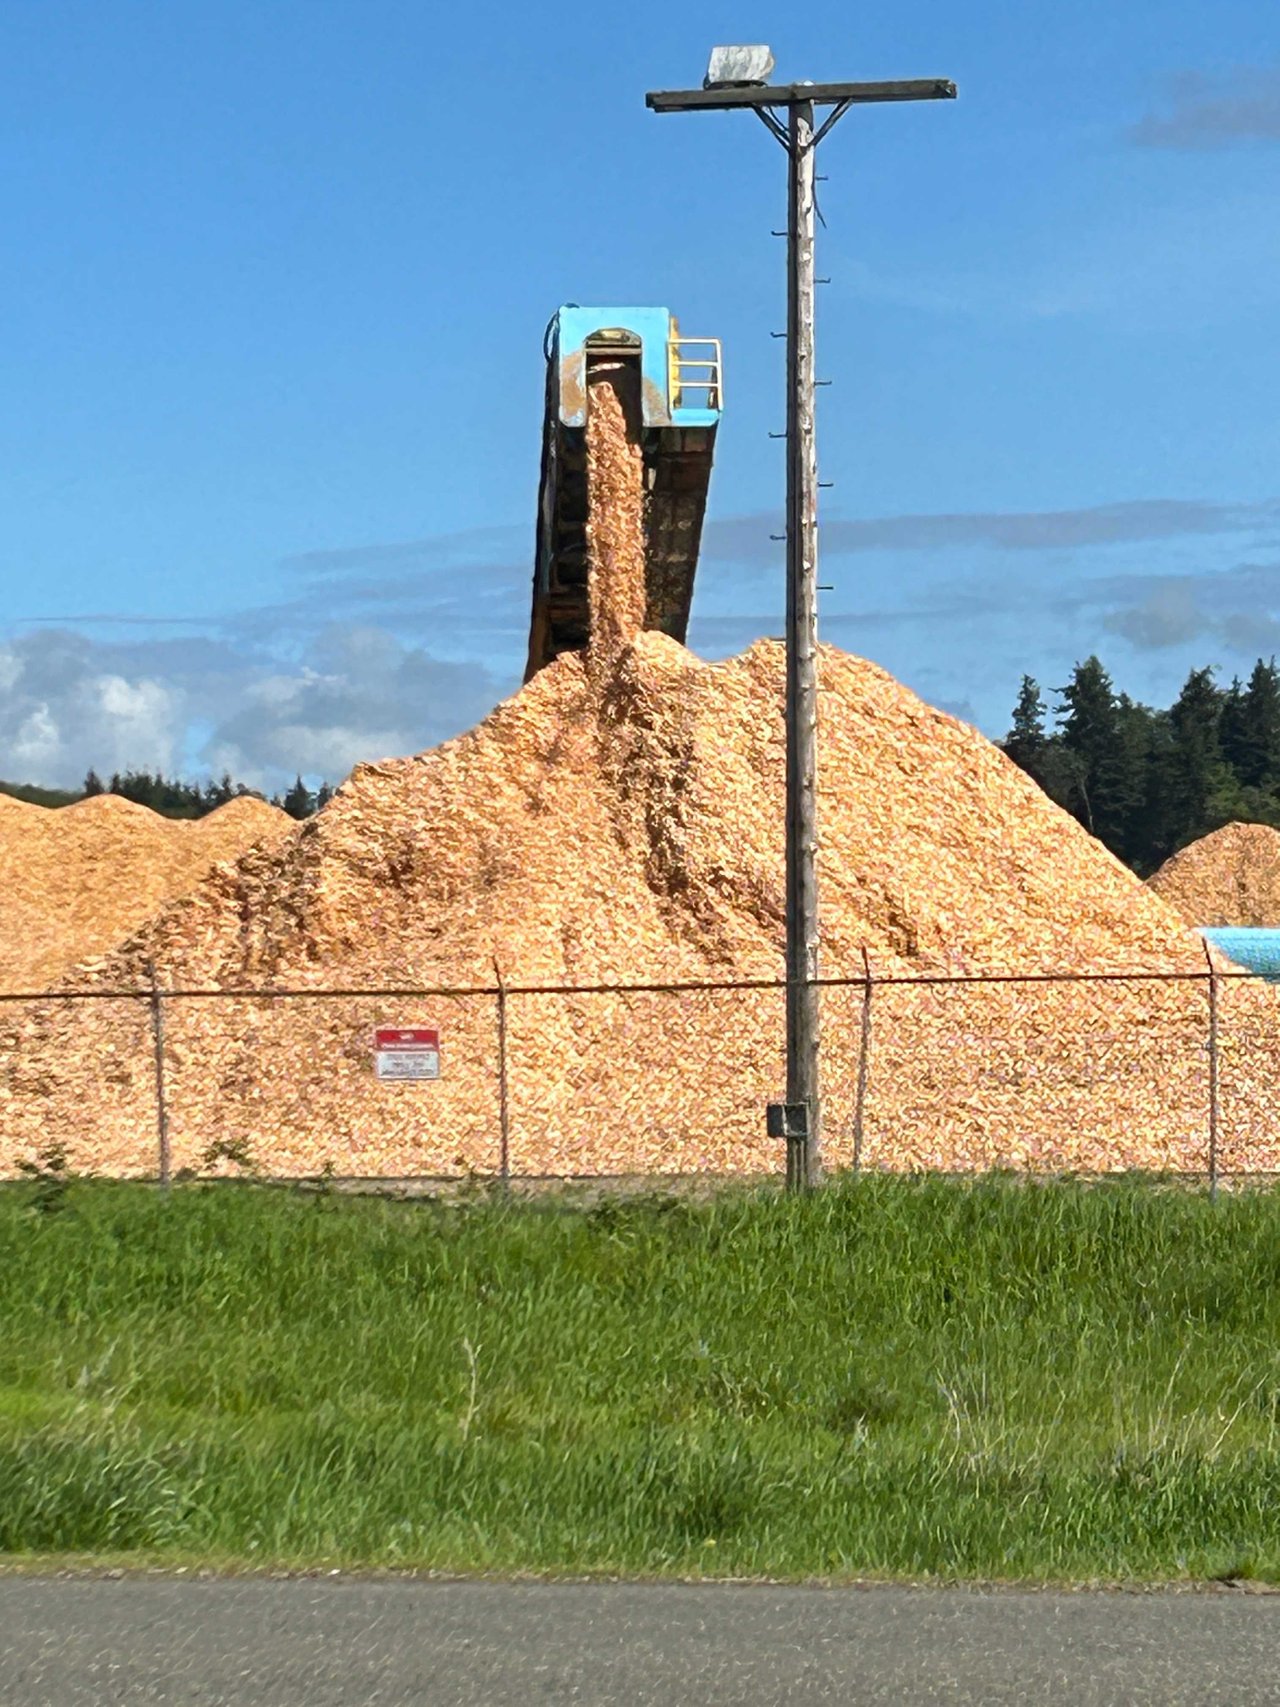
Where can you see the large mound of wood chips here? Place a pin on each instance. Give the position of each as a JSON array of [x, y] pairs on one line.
[[1231, 877], [75, 880], [620, 819]]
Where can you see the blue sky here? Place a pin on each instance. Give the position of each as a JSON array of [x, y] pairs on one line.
[[273, 288]]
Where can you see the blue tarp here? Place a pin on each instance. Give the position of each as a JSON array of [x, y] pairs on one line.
[[1258, 950]]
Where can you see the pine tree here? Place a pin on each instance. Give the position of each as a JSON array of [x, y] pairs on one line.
[[298, 802], [1102, 787], [1156, 828], [1036, 752], [1231, 726], [1026, 741], [1258, 746], [324, 796], [92, 783], [1197, 771], [1138, 734]]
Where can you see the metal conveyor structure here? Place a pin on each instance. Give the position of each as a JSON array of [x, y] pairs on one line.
[[673, 386]]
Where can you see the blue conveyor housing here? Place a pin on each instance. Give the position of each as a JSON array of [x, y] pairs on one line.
[[674, 390]]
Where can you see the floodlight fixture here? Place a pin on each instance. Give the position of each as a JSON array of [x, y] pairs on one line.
[[738, 67]]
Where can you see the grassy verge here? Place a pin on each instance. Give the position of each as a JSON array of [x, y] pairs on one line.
[[897, 1377]]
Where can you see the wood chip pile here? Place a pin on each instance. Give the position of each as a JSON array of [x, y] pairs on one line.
[[77, 879], [1231, 877], [620, 819]]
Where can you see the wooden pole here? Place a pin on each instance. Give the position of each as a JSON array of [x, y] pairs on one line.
[[864, 1064], [162, 1107], [804, 1157], [504, 1107], [1213, 1076]]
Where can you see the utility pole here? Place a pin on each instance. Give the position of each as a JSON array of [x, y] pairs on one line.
[[738, 77], [803, 1129]]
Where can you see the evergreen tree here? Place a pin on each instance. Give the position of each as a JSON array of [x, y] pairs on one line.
[[1147, 782], [324, 796], [1102, 788], [1257, 758], [298, 802], [1197, 769], [1039, 754], [92, 783], [1231, 726], [1154, 836], [1138, 735], [1026, 741]]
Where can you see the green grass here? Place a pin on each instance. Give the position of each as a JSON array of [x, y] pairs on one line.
[[897, 1377]]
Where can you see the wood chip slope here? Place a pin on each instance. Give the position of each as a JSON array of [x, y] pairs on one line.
[[630, 829], [75, 880], [1231, 877]]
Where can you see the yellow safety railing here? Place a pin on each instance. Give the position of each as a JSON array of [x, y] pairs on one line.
[[693, 364]]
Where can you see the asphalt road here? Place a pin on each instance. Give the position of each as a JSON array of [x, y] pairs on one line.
[[361, 1643]]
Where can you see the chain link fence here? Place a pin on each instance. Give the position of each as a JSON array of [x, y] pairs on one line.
[[1035, 1072]]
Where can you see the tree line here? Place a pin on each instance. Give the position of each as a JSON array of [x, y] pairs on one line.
[[1146, 781], [171, 797]]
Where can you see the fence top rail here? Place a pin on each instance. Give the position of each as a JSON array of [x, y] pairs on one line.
[[854, 981]]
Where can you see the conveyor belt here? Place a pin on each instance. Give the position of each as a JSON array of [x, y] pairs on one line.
[[676, 399]]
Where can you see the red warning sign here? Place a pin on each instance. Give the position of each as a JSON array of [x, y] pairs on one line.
[[406, 1052]]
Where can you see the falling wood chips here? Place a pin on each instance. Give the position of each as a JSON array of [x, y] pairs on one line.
[[615, 519], [75, 880], [620, 818], [1231, 877]]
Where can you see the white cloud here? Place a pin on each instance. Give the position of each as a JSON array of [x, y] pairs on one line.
[[68, 702], [362, 694], [62, 708], [143, 716], [37, 740]]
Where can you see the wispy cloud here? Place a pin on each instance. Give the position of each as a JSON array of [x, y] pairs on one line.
[[111, 619], [746, 538], [431, 551], [1215, 111], [1238, 607], [1167, 615]]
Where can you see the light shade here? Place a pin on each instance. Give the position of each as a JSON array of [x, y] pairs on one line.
[[738, 67]]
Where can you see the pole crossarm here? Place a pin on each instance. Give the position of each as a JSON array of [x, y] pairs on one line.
[[785, 94]]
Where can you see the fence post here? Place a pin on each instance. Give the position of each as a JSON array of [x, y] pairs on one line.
[[864, 1057], [1213, 1073], [504, 1110], [162, 1107]]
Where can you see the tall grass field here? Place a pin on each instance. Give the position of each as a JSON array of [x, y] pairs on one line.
[[894, 1377]]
